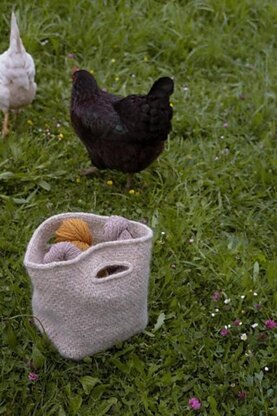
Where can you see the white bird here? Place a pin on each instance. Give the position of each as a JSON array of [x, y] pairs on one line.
[[17, 76]]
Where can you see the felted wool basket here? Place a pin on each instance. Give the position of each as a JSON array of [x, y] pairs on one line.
[[81, 313]]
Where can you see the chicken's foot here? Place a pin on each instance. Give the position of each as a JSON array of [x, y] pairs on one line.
[[5, 128], [89, 171]]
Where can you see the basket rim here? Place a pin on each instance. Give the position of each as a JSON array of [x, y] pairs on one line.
[[98, 247]]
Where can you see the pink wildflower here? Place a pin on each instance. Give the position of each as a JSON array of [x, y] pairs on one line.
[[224, 332], [225, 125], [33, 377], [270, 324], [216, 296], [194, 403], [242, 395], [258, 306], [237, 322]]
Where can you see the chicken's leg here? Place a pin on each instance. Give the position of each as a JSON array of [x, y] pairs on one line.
[[129, 181], [5, 128]]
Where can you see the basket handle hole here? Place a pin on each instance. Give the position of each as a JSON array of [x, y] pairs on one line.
[[109, 270]]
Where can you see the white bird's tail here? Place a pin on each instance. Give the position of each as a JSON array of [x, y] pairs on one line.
[[15, 41]]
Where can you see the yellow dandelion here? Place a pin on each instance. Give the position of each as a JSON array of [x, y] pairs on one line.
[[171, 104], [145, 58], [78, 179], [131, 191], [110, 182], [91, 71], [30, 122], [113, 61], [60, 136]]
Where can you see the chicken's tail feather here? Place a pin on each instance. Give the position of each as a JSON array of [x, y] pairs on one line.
[[15, 40], [163, 87]]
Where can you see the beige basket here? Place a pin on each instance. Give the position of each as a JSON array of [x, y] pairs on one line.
[[81, 313]]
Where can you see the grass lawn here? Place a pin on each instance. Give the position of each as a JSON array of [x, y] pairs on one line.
[[209, 199]]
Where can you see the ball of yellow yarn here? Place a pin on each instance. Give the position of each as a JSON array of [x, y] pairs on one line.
[[76, 231], [81, 245]]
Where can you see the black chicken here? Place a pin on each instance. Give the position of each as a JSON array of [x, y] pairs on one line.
[[125, 134]]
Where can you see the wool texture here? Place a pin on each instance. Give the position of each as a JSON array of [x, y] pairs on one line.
[[80, 245], [81, 313], [74, 229], [116, 228], [62, 251]]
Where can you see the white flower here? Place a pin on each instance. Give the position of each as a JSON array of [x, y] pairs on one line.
[[232, 385], [255, 294], [254, 325], [229, 326], [191, 240], [216, 310], [212, 314], [162, 233], [242, 296], [227, 301], [266, 369], [243, 337]]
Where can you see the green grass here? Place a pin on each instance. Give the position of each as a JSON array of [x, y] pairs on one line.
[[210, 200]]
